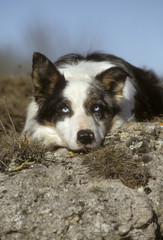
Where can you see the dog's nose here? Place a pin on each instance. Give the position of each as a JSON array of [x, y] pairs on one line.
[[85, 136]]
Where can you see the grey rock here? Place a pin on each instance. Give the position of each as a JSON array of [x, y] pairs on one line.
[[63, 200]]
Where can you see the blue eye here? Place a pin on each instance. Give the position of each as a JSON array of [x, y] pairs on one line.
[[65, 110], [96, 108]]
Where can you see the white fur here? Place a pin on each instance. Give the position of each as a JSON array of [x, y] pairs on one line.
[[84, 70]]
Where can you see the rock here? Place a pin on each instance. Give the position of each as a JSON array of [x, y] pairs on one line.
[[75, 196]]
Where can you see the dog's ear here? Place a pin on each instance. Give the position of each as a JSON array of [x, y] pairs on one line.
[[46, 78], [114, 79]]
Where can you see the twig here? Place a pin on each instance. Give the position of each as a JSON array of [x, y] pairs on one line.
[[3, 164], [9, 115], [4, 129]]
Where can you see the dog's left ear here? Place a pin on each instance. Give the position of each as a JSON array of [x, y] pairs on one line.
[[46, 78], [114, 79]]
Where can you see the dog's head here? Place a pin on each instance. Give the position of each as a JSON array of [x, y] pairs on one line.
[[75, 112]]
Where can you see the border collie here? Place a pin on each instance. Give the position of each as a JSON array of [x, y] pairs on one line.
[[77, 99]]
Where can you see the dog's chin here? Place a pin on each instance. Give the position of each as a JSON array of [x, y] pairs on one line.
[[84, 148]]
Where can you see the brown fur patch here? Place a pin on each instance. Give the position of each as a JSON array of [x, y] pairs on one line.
[[108, 81], [90, 102], [118, 92], [48, 124]]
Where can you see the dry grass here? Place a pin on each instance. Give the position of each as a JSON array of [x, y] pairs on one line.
[[114, 163], [15, 153], [14, 97]]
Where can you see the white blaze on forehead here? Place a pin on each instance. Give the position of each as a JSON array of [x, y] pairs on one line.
[[77, 92], [84, 70]]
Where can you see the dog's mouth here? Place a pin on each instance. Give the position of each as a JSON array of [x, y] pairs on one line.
[[84, 148]]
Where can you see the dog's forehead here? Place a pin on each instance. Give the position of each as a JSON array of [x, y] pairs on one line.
[[77, 92], [80, 77], [84, 70]]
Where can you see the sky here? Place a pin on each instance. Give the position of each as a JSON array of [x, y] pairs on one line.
[[130, 29]]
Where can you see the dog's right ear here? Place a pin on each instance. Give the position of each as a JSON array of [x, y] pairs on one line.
[[46, 78]]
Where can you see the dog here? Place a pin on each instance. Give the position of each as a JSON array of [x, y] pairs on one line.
[[78, 99]]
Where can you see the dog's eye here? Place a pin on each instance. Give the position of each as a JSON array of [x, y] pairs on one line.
[[96, 108], [65, 109]]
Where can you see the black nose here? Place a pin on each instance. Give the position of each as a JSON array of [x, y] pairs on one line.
[[85, 136]]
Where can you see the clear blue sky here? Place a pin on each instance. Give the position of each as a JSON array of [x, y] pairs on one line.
[[131, 29]]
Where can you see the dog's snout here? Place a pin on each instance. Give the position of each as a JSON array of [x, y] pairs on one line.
[[85, 136]]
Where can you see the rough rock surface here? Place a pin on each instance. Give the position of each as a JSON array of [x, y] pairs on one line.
[[63, 200]]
